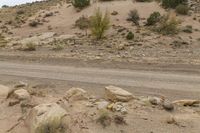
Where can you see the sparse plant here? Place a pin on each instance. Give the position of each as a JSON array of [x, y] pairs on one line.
[[99, 23], [29, 47], [119, 120], [104, 118], [3, 42], [20, 12], [33, 23], [153, 18], [133, 16], [130, 36], [58, 46], [53, 125], [182, 9], [80, 3], [168, 25], [172, 3]]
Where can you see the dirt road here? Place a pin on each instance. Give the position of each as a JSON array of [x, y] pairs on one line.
[[159, 80]]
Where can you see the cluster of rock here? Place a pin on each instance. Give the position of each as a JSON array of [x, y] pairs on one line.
[[54, 116]]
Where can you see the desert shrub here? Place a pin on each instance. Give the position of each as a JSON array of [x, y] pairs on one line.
[[172, 3], [80, 3], [20, 12], [130, 36], [58, 47], [52, 126], [29, 47], [153, 18], [33, 23], [99, 23], [104, 118], [134, 17], [168, 25], [119, 120], [182, 9]]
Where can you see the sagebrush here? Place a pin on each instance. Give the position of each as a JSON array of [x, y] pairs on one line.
[[168, 25], [99, 23]]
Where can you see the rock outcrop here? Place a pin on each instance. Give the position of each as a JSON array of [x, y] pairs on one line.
[[4, 91], [21, 94], [75, 94], [45, 117], [117, 94]]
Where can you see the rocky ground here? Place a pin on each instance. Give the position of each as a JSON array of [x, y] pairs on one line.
[[27, 110]]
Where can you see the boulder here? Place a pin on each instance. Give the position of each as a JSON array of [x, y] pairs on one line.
[[117, 94], [76, 94], [45, 116], [21, 94], [155, 100], [167, 105], [187, 102], [4, 91]]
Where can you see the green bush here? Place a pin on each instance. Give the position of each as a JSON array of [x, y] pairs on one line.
[[99, 23], [130, 36], [80, 3], [133, 16], [153, 18], [172, 3], [168, 25], [182, 9]]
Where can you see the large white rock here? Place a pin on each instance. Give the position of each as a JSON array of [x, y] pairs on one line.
[[21, 94], [75, 94], [4, 91], [117, 94], [45, 115]]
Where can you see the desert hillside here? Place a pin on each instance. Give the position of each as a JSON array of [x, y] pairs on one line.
[[100, 66], [53, 25]]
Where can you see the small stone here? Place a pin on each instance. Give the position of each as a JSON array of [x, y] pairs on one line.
[[75, 94], [167, 105], [124, 111], [114, 13], [121, 46], [155, 100], [21, 94]]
